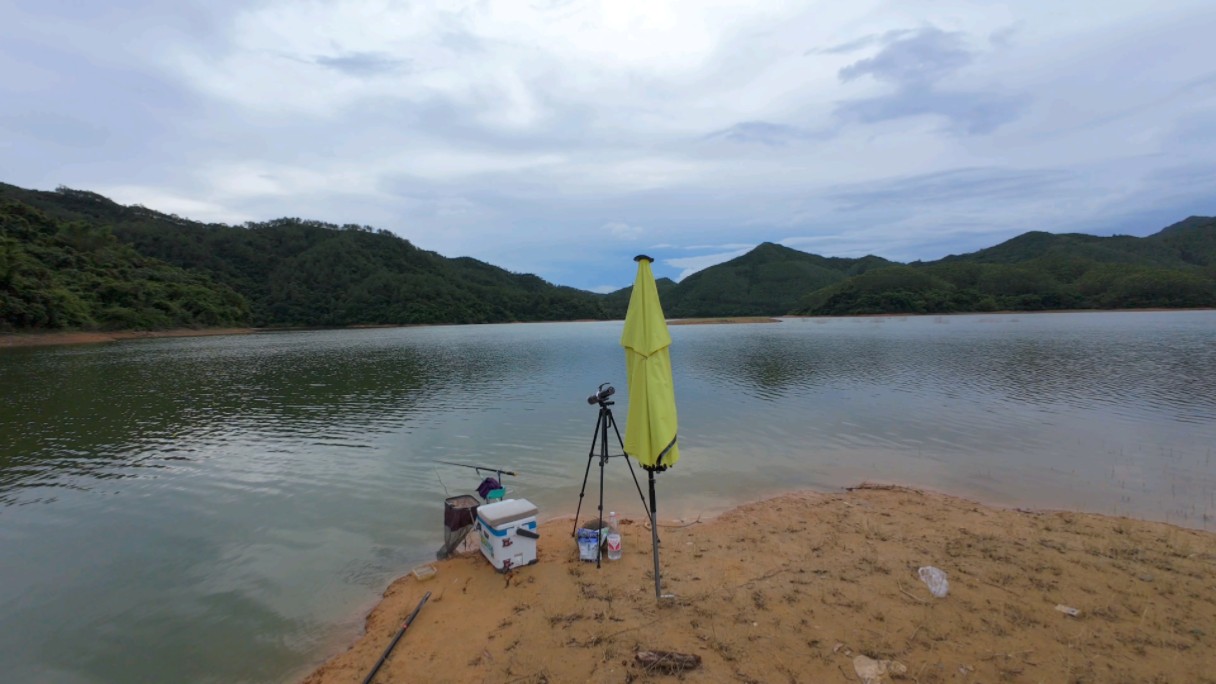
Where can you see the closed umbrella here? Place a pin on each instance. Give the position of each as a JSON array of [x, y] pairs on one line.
[[650, 428]]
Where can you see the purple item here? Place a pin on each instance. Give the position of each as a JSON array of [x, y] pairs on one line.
[[487, 485]]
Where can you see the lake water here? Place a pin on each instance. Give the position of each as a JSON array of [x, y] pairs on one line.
[[225, 509]]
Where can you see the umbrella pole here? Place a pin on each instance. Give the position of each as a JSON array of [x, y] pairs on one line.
[[632, 472], [654, 536]]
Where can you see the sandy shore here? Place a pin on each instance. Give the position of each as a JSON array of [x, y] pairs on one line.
[[47, 339], [804, 587]]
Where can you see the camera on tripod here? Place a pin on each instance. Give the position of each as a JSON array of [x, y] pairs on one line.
[[599, 451], [601, 395]]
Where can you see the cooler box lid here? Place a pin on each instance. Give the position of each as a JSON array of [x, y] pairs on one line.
[[506, 511]]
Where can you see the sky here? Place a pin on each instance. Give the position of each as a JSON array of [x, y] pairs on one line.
[[562, 137]]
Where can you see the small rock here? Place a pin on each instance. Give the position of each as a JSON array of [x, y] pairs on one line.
[[1068, 610], [1146, 577], [877, 671]]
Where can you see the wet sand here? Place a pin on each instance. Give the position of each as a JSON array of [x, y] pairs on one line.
[[806, 586], [48, 339]]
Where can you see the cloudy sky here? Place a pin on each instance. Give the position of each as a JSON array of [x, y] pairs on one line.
[[561, 137]]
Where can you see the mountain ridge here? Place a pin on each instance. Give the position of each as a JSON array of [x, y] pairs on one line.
[[292, 272]]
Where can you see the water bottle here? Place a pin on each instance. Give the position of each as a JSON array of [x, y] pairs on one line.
[[614, 537]]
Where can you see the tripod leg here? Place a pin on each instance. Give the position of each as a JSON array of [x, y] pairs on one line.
[[605, 416], [631, 470], [590, 455]]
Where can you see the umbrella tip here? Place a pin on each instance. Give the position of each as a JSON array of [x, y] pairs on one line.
[[643, 256]]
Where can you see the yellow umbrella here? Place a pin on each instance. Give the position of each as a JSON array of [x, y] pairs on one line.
[[650, 430]]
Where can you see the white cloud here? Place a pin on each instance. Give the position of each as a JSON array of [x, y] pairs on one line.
[[495, 55], [690, 265], [732, 246], [623, 231], [170, 203]]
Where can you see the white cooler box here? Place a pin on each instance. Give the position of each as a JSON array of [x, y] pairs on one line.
[[508, 533]]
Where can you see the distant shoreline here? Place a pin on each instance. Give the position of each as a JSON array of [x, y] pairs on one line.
[[49, 339], [1159, 309], [723, 319], [59, 338]]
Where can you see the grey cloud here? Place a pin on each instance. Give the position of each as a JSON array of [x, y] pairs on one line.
[[761, 132], [362, 63], [554, 5], [957, 185], [1197, 176], [94, 119], [1004, 37], [914, 62], [896, 241], [55, 128], [925, 56], [859, 43], [461, 42], [1162, 197], [972, 112]]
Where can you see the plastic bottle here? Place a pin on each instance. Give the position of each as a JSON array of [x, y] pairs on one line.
[[614, 537]]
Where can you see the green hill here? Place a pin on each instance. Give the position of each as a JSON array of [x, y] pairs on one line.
[[72, 258], [766, 281], [1042, 271], [58, 275], [294, 272], [1192, 240]]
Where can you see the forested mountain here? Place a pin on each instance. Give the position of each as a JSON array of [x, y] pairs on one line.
[[1041, 271], [59, 274], [74, 259], [297, 272], [767, 281]]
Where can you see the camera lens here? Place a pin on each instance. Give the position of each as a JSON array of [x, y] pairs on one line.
[[604, 392]]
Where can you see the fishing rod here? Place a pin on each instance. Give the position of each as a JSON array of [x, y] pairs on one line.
[[480, 468], [404, 626]]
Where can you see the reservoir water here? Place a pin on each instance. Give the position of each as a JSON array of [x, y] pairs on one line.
[[226, 509]]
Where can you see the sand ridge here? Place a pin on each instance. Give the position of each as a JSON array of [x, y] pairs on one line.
[[795, 588]]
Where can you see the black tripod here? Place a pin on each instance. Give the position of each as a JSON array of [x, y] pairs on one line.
[[601, 437]]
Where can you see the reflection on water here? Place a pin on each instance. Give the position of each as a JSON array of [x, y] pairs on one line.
[[223, 509]]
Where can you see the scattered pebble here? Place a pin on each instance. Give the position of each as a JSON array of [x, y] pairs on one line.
[[1068, 610], [874, 671]]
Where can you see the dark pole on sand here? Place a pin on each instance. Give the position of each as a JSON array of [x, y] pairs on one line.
[[654, 536], [401, 632]]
